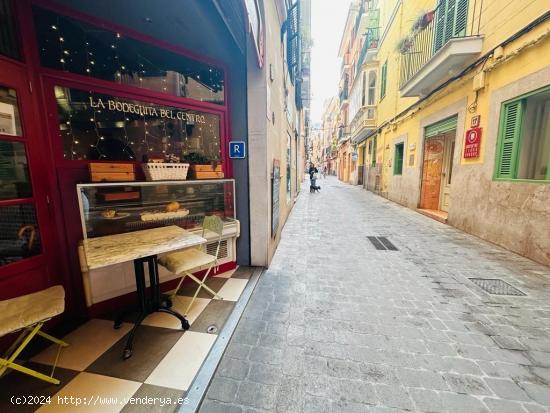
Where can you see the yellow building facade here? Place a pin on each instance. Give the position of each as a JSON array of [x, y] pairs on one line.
[[329, 135], [463, 117], [349, 52]]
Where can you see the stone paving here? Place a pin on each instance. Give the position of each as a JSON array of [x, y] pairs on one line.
[[335, 325]]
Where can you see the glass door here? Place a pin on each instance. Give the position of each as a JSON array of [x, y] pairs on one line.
[[23, 188]]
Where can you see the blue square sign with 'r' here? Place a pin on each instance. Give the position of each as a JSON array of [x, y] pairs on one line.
[[237, 150]]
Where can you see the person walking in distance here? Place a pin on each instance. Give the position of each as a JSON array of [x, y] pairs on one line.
[[313, 171]]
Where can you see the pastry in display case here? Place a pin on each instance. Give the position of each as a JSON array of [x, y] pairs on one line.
[[115, 208]]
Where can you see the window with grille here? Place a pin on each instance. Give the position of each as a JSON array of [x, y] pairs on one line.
[[523, 150]]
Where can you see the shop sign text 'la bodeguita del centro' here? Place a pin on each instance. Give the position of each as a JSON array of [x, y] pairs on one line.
[[144, 110]]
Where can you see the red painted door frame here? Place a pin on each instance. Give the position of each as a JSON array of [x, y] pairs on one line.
[[37, 272]]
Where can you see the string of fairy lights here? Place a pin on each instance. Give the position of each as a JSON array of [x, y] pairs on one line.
[[148, 77]]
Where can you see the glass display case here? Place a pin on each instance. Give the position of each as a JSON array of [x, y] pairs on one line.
[[114, 208]]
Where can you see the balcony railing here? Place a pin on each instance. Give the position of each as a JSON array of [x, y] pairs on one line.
[[416, 51], [365, 119], [430, 34], [344, 133], [372, 36]]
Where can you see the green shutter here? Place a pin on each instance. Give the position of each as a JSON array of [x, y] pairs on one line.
[[439, 32], [450, 21], [446, 125], [383, 80], [398, 161], [461, 16], [510, 133]]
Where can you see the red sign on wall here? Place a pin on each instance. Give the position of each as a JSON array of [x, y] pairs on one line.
[[472, 144]]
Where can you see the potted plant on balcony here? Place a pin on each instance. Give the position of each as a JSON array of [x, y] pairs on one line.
[[405, 45], [423, 20]]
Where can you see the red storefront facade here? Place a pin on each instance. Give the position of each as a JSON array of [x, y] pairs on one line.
[[43, 135]]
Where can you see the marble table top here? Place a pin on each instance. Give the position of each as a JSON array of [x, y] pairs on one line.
[[114, 249]]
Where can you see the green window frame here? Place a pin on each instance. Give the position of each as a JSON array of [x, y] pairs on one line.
[[450, 21], [509, 141], [374, 144], [398, 158], [383, 79]]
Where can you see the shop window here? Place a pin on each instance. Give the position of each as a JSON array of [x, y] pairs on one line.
[[9, 42], [102, 127], [78, 47], [10, 123], [398, 159], [14, 171], [523, 150], [19, 235]]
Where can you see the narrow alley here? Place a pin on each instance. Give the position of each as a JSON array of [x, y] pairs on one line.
[[336, 325]]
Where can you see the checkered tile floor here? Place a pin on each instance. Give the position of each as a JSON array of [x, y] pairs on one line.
[[163, 365]]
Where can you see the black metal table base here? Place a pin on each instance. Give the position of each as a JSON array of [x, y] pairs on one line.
[[147, 305]]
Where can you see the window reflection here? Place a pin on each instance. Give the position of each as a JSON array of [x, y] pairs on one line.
[[19, 235], [14, 172], [77, 47], [10, 124], [9, 43], [101, 127]]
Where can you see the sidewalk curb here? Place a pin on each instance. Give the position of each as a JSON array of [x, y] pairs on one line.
[[200, 384]]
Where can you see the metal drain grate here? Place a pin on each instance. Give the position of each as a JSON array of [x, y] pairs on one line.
[[387, 244], [496, 286], [382, 243]]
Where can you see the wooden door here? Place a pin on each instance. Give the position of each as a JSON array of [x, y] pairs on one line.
[[431, 173]]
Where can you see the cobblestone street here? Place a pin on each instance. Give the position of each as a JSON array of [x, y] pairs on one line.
[[335, 325]]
